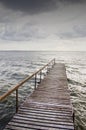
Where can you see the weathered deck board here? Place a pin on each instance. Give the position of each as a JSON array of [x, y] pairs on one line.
[[49, 107]]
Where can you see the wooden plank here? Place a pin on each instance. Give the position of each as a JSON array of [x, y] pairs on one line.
[[37, 124], [48, 106], [45, 118], [17, 128], [42, 120], [46, 110], [30, 127], [39, 114]]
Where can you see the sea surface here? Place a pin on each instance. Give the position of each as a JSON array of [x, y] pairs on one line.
[[16, 65]]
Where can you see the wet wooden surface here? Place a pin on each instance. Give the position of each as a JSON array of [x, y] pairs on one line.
[[49, 107]]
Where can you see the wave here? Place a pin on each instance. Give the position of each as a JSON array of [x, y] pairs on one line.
[[73, 82]]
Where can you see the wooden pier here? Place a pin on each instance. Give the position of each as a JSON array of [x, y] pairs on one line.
[[49, 106]]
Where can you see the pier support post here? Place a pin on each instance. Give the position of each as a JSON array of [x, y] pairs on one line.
[[35, 81], [40, 76], [16, 100]]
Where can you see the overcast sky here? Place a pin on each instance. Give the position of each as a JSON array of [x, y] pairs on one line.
[[43, 25]]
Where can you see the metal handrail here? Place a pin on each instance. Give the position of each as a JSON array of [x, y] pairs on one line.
[[15, 88]]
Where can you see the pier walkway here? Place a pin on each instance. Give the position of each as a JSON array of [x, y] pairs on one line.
[[49, 106]]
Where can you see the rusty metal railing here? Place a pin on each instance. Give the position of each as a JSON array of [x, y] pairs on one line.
[[15, 88]]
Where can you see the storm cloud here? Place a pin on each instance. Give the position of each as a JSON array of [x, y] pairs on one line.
[[76, 32], [36, 6], [30, 6]]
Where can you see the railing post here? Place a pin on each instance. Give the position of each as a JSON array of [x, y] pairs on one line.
[[40, 76], [16, 100], [54, 61], [52, 64], [73, 117], [47, 69], [35, 81]]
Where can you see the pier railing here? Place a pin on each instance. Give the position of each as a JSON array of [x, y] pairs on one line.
[[15, 88]]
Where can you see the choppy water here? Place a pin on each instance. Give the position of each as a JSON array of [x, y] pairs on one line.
[[14, 66]]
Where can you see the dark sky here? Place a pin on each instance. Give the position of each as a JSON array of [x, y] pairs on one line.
[[36, 6], [30, 6], [43, 24]]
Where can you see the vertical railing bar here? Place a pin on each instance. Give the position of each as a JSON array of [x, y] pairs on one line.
[[16, 100], [40, 76], [47, 69], [49, 66], [54, 61], [35, 81]]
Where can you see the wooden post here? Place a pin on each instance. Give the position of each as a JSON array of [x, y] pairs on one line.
[[73, 117], [35, 81], [40, 76], [47, 69], [54, 61], [16, 100]]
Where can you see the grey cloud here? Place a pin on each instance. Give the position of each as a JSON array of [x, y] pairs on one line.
[[77, 32], [36, 6], [80, 30], [25, 33], [72, 1], [30, 6], [66, 35]]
